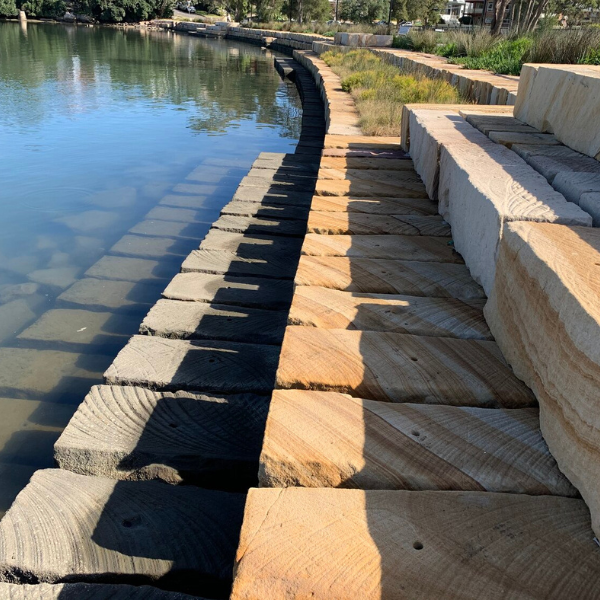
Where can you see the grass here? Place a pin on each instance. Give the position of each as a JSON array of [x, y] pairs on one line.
[[507, 54], [319, 28], [380, 90]]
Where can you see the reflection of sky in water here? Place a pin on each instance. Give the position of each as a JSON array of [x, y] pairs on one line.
[[96, 126]]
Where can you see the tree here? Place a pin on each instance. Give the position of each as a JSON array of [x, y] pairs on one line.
[[8, 8], [500, 7], [363, 11], [307, 10]]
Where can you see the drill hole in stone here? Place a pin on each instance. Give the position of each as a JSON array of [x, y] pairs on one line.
[[414, 358], [418, 546], [173, 425], [211, 360], [415, 433]]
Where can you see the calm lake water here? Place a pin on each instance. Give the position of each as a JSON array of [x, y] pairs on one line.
[[104, 133]]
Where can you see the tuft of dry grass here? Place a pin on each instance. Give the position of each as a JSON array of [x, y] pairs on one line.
[[380, 89]]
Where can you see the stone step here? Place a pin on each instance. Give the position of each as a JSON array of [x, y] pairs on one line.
[[400, 247], [488, 123], [365, 152], [293, 183], [407, 189], [203, 321], [250, 245], [325, 308], [103, 294], [273, 265], [131, 269], [350, 162], [330, 544], [369, 176], [340, 223], [386, 276], [174, 229], [140, 246], [257, 292], [273, 196], [184, 215], [208, 366], [382, 206], [265, 211], [362, 142], [182, 538], [276, 174], [326, 439], [400, 368], [189, 201], [132, 433], [250, 225], [89, 591]]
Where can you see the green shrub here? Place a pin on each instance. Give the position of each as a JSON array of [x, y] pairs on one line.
[[8, 8], [49, 9], [505, 57]]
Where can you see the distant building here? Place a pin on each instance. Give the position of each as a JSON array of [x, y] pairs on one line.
[[481, 12], [453, 11]]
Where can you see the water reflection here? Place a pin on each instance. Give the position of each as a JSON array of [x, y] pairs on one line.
[[99, 130]]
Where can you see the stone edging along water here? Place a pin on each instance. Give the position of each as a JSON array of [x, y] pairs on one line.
[[480, 87]]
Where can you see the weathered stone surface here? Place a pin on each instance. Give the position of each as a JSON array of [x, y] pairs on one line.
[[361, 142], [270, 264], [89, 591], [122, 197], [315, 306], [14, 315], [174, 229], [249, 245], [487, 123], [508, 138], [187, 201], [57, 277], [430, 129], [203, 321], [369, 176], [483, 188], [281, 182], [590, 202], [350, 162], [378, 445], [382, 206], [264, 210], [544, 312], [403, 247], [225, 289], [270, 196], [342, 223], [407, 189], [209, 366], [89, 221], [572, 185], [141, 246], [388, 276], [72, 326], [132, 433], [184, 215], [102, 294], [399, 368], [560, 99], [109, 531], [250, 225], [123, 268], [332, 544]]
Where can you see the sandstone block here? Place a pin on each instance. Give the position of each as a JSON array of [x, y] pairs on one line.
[[326, 439], [132, 433], [561, 99], [481, 188], [117, 531], [508, 138], [330, 544], [399, 368], [388, 276], [374, 206], [90, 591], [572, 185], [315, 306], [543, 311]]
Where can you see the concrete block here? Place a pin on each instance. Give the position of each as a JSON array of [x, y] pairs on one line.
[[543, 311]]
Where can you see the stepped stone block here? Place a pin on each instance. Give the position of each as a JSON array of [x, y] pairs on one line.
[[369, 175], [361, 142], [346, 223], [374, 206], [122, 268], [350, 162], [332, 544], [200, 320], [572, 185], [89, 591], [271, 196], [119, 531], [251, 225], [399, 368], [544, 312], [430, 130], [407, 189], [216, 366], [404, 247], [325, 308], [487, 123], [275, 294], [141, 246], [508, 138], [133, 433], [249, 245], [387, 276], [174, 229], [326, 439], [280, 265], [561, 99], [481, 188], [264, 211]]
